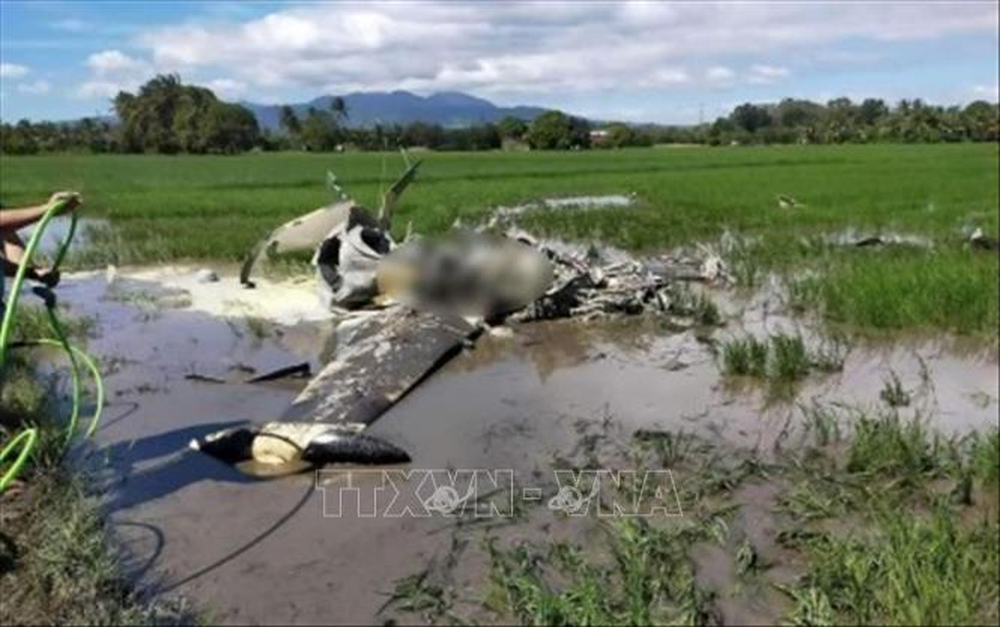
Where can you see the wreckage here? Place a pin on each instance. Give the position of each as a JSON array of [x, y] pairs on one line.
[[408, 307]]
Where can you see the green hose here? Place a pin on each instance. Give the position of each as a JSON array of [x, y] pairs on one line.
[[29, 251], [74, 370], [91, 366], [30, 436]]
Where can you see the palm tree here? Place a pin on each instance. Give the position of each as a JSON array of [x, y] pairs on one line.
[[339, 108], [290, 121]]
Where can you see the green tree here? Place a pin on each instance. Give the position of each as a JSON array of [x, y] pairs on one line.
[[554, 130], [290, 122], [319, 131], [620, 135], [512, 128], [19, 139], [230, 128], [751, 117], [167, 116], [423, 134], [872, 110], [792, 113], [980, 120], [338, 106]]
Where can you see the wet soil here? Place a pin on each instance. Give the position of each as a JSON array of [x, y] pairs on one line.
[[263, 551]]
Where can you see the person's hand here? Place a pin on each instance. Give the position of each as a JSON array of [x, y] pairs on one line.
[[72, 200], [47, 277]]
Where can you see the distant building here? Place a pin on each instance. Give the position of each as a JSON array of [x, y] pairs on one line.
[[598, 137]]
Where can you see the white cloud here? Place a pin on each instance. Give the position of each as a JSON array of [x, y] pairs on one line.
[[35, 88], [666, 77], [509, 49], [720, 75], [986, 92], [227, 88], [89, 90], [766, 74], [113, 71], [538, 47], [114, 62], [12, 70]]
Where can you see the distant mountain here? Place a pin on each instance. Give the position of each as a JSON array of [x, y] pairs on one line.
[[449, 109]]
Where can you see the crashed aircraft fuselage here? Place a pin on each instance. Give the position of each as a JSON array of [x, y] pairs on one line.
[[410, 307]]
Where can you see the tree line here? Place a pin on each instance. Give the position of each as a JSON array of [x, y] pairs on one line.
[[166, 116], [842, 121]]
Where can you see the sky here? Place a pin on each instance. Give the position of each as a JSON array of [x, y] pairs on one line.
[[669, 62]]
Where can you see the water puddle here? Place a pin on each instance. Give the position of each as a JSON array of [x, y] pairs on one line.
[[568, 203], [263, 551], [57, 230], [861, 239]]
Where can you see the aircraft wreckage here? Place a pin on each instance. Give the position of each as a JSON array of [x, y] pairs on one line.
[[408, 307]]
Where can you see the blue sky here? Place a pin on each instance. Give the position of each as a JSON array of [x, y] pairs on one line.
[[650, 61]]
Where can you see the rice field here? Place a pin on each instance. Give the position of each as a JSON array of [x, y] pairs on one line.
[[881, 518], [166, 208]]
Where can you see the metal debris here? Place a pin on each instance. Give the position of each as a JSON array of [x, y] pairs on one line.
[[203, 378], [301, 370], [390, 353], [980, 241], [276, 449], [206, 275], [591, 282], [348, 258], [787, 202], [337, 220], [420, 303]]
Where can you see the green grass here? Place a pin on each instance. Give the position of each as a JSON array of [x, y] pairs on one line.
[[893, 393], [870, 515], [63, 571], [909, 571], [213, 208], [745, 357], [985, 457], [684, 195], [648, 581], [951, 290], [781, 360], [687, 302], [32, 322], [899, 545], [890, 445], [866, 519]]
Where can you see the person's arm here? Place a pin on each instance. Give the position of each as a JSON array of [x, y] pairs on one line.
[[9, 268], [14, 219], [13, 253]]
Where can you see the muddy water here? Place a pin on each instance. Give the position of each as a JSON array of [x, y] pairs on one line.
[[262, 551], [58, 229]]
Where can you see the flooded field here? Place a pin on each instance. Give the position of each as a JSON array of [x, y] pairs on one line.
[[545, 396]]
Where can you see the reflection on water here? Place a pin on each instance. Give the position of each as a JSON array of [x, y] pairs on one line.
[[57, 230], [262, 551]]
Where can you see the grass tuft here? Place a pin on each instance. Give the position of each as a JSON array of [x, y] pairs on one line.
[[781, 360], [906, 571], [893, 393]]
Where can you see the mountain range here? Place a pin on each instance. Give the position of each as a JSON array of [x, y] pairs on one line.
[[449, 109]]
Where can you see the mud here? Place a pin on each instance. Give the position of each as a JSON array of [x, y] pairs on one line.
[[262, 551]]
